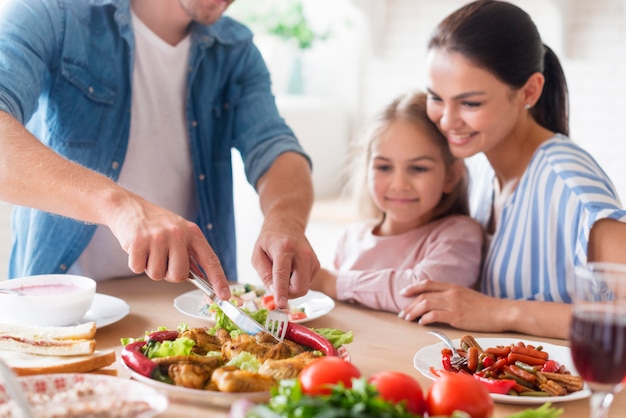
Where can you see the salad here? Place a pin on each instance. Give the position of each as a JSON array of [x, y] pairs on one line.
[[254, 298]]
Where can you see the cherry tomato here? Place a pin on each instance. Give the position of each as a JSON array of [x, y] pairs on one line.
[[318, 376], [396, 387], [460, 392]]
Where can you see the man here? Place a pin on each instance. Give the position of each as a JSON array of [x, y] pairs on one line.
[[120, 116]]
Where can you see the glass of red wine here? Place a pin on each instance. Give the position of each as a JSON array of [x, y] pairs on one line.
[[598, 331]]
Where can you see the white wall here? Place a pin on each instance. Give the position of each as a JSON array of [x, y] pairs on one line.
[[589, 36]]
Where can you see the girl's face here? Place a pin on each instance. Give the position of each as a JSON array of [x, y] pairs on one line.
[[406, 177], [475, 110]]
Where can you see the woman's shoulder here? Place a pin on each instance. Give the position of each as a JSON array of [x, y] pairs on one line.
[[566, 155], [561, 158]]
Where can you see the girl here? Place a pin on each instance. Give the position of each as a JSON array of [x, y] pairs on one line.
[[415, 193], [545, 203]]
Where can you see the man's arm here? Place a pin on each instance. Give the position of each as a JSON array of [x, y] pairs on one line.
[[158, 242], [283, 256]]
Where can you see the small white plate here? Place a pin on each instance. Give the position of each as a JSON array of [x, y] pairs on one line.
[[315, 304], [430, 356], [106, 310], [110, 391]]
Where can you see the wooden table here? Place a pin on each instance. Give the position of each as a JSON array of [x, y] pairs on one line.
[[381, 340]]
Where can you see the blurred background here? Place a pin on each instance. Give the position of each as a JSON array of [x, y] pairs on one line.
[[336, 62]]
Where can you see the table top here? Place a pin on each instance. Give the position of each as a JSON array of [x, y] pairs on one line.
[[381, 340]]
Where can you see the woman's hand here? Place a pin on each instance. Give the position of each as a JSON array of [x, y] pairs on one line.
[[458, 306], [470, 310]]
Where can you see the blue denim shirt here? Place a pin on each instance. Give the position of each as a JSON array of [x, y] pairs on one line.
[[68, 78]]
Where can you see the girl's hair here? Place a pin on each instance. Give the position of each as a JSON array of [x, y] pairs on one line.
[[409, 108], [502, 38]]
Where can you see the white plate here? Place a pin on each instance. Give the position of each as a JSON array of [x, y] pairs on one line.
[[209, 397], [110, 389], [106, 310], [198, 396], [315, 304], [430, 356]]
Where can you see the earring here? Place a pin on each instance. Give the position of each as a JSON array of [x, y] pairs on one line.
[[527, 106]]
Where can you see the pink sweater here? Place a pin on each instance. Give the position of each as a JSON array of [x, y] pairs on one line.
[[371, 270]]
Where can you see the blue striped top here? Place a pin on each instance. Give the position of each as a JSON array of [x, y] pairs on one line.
[[544, 227]]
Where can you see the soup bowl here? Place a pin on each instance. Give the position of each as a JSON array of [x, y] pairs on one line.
[[46, 299]]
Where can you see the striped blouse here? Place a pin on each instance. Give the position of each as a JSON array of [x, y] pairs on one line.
[[544, 227]]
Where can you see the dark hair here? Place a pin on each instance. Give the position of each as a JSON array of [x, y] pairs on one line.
[[411, 108], [502, 38]]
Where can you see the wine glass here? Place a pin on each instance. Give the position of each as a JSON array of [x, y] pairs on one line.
[[598, 331]]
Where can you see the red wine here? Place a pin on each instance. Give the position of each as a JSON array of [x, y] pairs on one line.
[[598, 344]]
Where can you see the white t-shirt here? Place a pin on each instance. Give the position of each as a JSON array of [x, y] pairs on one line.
[[158, 160]]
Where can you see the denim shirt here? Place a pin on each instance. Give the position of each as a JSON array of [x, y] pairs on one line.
[[68, 79]]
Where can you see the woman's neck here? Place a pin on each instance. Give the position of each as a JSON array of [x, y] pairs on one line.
[[512, 156]]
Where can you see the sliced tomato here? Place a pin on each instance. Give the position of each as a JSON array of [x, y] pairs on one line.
[[296, 316], [551, 366], [268, 302]]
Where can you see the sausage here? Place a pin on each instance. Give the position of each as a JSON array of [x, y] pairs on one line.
[[133, 356], [136, 360], [307, 337]]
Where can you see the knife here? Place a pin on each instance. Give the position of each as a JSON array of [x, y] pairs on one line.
[[234, 313]]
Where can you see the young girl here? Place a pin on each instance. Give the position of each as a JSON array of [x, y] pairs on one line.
[[415, 194]]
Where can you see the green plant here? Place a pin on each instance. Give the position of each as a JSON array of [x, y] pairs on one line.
[[288, 22]]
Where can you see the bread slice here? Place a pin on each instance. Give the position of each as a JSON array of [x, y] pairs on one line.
[[85, 331], [53, 341], [24, 364]]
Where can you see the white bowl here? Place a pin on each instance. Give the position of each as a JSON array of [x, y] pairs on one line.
[[49, 300]]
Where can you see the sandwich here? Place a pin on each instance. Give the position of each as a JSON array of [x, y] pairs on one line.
[[49, 341], [32, 350]]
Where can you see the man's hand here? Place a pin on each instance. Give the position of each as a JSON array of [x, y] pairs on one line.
[[160, 243], [282, 255], [285, 261]]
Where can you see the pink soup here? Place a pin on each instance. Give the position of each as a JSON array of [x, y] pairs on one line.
[[48, 289]]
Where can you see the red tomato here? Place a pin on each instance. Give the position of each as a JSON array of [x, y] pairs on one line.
[[460, 392], [551, 366], [297, 316], [268, 302], [396, 387], [317, 377]]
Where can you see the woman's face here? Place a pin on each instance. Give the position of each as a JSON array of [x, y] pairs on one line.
[[406, 177], [475, 110]]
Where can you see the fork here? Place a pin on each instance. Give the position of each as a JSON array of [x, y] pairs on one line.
[[277, 322], [457, 360]]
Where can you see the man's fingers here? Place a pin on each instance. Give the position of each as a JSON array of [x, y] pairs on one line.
[[212, 267], [281, 276]]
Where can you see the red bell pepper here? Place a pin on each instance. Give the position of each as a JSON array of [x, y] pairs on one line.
[[500, 386]]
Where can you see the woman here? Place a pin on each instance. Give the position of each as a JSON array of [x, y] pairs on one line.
[[500, 96]]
